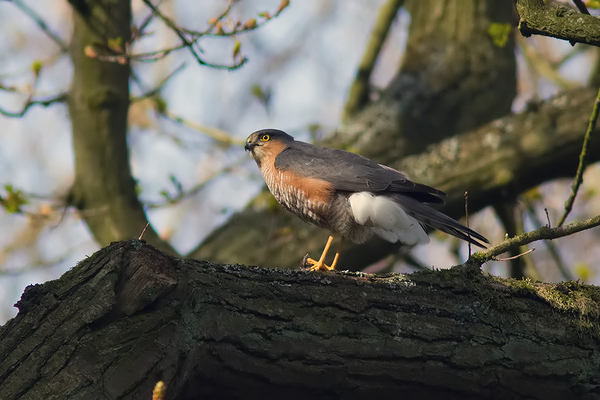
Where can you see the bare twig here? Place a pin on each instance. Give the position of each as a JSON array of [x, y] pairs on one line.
[[539, 63], [549, 244], [467, 217], [581, 7], [582, 161], [38, 20], [171, 24], [360, 87], [538, 234], [511, 218], [189, 38], [214, 133], [517, 256], [144, 231], [56, 99], [30, 100], [158, 88], [185, 194]]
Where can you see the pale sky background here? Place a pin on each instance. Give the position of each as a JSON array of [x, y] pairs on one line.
[[306, 58]]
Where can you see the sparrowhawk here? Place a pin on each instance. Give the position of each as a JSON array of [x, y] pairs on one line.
[[352, 196]]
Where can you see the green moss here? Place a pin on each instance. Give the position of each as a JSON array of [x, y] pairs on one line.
[[499, 33], [571, 297]]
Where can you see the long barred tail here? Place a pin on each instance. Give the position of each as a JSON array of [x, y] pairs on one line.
[[440, 221]]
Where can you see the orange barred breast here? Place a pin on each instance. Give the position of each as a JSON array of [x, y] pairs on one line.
[[308, 198]]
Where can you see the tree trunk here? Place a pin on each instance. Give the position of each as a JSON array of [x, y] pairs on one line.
[[453, 78], [104, 190], [130, 315]]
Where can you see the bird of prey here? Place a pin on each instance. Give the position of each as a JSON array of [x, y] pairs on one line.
[[352, 196]]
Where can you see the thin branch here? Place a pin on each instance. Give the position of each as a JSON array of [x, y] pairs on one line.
[[196, 189], [517, 256], [63, 46], [30, 102], [144, 231], [538, 234], [177, 30], [538, 62], [158, 88], [147, 20], [37, 67], [581, 7], [359, 89], [513, 225], [535, 18], [549, 244], [582, 160], [467, 218], [189, 39], [214, 133]]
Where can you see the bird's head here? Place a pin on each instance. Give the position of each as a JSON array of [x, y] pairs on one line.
[[267, 143]]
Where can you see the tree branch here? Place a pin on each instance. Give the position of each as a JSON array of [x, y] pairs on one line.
[[59, 98], [582, 160], [129, 316], [562, 23], [38, 20], [581, 7], [545, 232], [359, 90]]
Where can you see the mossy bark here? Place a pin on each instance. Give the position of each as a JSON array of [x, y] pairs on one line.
[[130, 315], [557, 21], [453, 78]]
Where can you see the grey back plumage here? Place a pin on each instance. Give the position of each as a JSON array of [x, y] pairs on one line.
[[351, 173]]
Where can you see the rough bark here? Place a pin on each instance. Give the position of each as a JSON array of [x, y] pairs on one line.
[[453, 78], [497, 161], [131, 315], [104, 190]]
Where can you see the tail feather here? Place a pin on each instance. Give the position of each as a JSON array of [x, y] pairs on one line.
[[438, 220]]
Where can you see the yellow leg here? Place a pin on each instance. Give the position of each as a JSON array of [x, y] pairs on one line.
[[320, 265], [337, 255]]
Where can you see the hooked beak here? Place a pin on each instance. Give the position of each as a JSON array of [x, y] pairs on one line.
[[248, 146]]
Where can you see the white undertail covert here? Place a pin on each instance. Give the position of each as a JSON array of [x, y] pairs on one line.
[[387, 218]]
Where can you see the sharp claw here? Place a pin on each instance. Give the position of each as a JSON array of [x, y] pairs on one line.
[[316, 266]]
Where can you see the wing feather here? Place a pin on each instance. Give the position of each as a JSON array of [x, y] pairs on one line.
[[350, 172]]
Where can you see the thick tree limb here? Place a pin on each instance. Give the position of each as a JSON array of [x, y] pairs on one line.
[[129, 316], [562, 23], [494, 162], [453, 79]]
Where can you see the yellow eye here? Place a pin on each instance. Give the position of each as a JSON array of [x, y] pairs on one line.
[[265, 138]]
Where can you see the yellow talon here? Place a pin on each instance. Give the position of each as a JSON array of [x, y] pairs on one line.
[[316, 266], [320, 265]]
